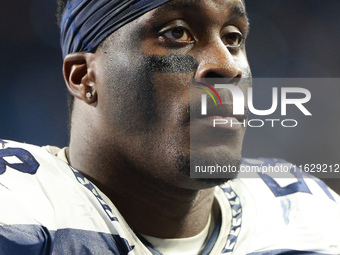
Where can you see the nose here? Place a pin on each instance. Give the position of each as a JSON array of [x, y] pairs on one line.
[[216, 61]]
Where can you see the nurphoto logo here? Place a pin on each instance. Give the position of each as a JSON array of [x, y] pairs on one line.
[[241, 103]]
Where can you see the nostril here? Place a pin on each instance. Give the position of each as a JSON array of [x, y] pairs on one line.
[[213, 75]]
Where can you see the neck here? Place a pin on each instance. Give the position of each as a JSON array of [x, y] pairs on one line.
[[160, 210], [150, 206]]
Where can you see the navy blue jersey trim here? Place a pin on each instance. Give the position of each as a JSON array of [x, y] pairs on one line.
[[149, 245], [87, 184], [286, 252], [38, 240], [26, 239], [84, 242], [236, 219], [213, 238]]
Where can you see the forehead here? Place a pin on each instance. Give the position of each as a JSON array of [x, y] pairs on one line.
[[234, 7], [201, 15]]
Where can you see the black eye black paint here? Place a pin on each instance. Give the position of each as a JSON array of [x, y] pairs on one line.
[[146, 100], [174, 63], [143, 89], [152, 65]]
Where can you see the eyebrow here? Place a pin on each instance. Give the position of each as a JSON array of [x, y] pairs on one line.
[[240, 11]]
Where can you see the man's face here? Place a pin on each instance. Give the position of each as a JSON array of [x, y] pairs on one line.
[[143, 85]]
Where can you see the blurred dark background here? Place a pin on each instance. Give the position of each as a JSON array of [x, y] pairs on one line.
[[288, 38]]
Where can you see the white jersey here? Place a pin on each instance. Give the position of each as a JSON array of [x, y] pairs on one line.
[[47, 207]]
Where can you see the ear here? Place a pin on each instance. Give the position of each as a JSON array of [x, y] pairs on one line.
[[79, 76]]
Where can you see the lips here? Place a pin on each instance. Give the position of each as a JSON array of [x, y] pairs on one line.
[[224, 111]]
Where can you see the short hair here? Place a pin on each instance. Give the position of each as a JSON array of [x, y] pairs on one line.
[[60, 7], [61, 4]]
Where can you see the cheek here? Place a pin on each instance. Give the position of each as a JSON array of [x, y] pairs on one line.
[[172, 64], [142, 92], [242, 62], [133, 106]]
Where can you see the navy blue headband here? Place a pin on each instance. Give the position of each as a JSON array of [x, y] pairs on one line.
[[86, 23]]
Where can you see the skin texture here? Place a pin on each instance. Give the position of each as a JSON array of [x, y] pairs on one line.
[[132, 138]]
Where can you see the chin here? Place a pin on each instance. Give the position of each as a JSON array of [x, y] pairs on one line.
[[185, 164]]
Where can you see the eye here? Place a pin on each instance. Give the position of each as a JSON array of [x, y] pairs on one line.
[[234, 39], [180, 34]]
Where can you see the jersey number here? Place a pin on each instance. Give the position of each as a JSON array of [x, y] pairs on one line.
[[18, 159], [299, 186]]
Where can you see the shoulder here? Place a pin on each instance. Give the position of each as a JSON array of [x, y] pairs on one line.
[[47, 205], [301, 211], [24, 158], [24, 165], [280, 178], [32, 180], [27, 214], [37, 184]]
